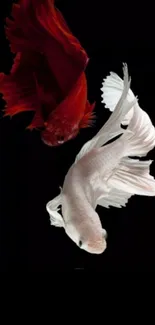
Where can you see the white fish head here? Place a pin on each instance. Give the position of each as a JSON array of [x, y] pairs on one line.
[[90, 239], [86, 232], [95, 245]]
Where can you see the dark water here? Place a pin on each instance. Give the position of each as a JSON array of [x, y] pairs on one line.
[[31, 172]]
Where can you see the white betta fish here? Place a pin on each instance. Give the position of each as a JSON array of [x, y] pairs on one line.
[[106, 176]]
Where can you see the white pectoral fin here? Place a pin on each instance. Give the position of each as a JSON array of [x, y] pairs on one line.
[[107, 196], [134, 177], [52, 208], [115, 198]]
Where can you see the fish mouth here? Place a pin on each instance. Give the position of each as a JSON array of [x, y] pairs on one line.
[[97, 249], [55, 144], [55, 137], [52, 143]]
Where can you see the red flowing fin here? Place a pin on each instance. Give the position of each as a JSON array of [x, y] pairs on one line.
[[39, 27], [53, 21], [37, 122], [16, 63], [89, 116], [45, 94], [35, 22], [10, 94], [63, 23], [23, 30], [72, 108], [13, 29], [19, 89], [63, 51]]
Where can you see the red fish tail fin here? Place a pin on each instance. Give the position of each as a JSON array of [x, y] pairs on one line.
[[35, 23], [21, 30], [89, 116]]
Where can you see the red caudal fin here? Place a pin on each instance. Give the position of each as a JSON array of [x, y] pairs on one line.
[[22, 29], [15, 30], [33, 24], [47, 52], [38, 26], [53, 22]]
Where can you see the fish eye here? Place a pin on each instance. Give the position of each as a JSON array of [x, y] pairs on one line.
[[80, 243], [60, 137]]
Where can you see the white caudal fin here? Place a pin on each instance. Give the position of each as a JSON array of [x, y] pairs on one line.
[[112, 127], [112, 88], [133, 176]]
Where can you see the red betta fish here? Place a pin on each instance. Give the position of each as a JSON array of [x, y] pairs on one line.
[[48, 73]]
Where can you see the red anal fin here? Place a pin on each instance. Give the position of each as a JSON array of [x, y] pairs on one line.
[[89, 116], [16, 100], [13, 110], [37, 121], [19, 88]]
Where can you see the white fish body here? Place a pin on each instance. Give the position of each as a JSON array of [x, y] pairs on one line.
[[105, 175]]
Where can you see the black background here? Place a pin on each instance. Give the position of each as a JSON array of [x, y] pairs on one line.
[[31, 172]]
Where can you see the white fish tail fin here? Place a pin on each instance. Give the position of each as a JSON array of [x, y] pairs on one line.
[[142, 138], [133, 176], [112, 88]]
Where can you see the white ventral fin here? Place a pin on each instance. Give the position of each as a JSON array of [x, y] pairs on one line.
[[133, 176], [52, 208], [115, 198]]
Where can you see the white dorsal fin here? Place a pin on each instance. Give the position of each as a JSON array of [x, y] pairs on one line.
[[112, 127]]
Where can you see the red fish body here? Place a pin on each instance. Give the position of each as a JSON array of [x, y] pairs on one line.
[[47, 76]]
